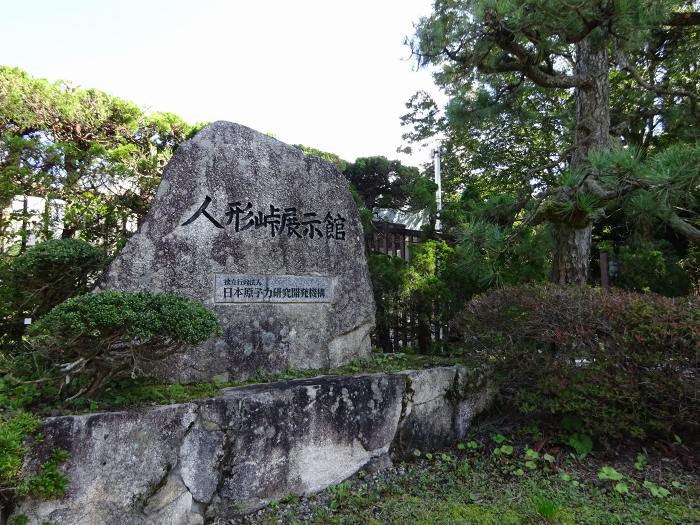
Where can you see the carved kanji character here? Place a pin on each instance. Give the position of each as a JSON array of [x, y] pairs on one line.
[[203, 211]]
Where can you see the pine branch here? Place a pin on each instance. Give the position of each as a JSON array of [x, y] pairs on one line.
[[682, 227], [520, 59], [676, 223], [684, 19], [604, 195], [625, 64], [537, 75]]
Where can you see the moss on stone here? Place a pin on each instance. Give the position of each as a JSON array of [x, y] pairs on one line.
[[135, 393]]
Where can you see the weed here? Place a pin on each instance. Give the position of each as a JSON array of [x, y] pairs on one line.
[[49, 482], [581, 443], [545, 507], [641, 461], [609, 473], [655, 490]]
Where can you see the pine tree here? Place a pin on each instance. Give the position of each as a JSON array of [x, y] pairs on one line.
[[560, 45]]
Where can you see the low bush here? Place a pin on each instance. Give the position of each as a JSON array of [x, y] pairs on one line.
[[43, 277], [620, 364], [52, 271], [99, 336]]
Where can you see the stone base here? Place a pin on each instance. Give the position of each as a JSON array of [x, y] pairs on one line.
[[225, 456]]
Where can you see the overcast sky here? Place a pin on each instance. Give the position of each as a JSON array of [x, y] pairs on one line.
[[330, 74]]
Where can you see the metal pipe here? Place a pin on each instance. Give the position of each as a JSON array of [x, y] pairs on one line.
[[438, 180]]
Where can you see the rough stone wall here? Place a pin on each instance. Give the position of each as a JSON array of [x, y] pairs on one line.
[[182, 464]]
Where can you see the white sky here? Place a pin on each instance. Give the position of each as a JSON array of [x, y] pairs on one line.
[[329, 74]]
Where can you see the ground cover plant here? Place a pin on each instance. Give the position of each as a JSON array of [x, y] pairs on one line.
[[493, 479]]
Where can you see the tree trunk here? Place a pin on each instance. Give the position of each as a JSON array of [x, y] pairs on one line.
[[572, 253], [423, 335]]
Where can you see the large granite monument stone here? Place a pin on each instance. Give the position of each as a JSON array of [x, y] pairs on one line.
[[267, 237]]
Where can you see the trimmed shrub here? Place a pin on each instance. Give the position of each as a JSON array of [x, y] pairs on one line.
[[621, 363], [43, 277], [52, 271], [106, 335]]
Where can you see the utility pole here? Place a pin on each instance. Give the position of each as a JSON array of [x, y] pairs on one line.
[[438, 194], [438, 201], [438, 180]]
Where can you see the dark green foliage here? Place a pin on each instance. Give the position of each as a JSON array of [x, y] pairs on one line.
[[494, 255], [14, 426], [388, 279], [101, 155], [41, 278], [518, 77], [439, 278], [115, 334], [427, 289], [52, 271], [622, 363], [649, 267], [49, 482], [387, 183]]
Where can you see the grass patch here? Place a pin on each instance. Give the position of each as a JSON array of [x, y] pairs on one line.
[[477, 487], [13, 429]]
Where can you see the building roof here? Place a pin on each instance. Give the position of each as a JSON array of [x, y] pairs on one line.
[[411, 220]]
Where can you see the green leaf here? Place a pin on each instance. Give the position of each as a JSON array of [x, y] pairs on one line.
[[581, 443], [640, 462], [532, 454], [621, 488], [655, 490], [498, 438], [609, 473]]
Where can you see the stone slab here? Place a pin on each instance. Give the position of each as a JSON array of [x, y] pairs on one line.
[[233, 201]]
